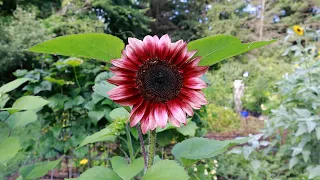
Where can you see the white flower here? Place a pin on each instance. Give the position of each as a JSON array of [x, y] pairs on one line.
[[263, 107], [206, 172], [202, 160], [195, 169], [217, 165], [215, 178], [206, 165], [246, 74], [215, 161], [213, 171]]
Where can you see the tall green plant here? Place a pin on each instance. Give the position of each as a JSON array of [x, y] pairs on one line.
[[187, 152]]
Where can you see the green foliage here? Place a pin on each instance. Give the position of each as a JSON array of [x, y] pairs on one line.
[[233, 167], [105, 134], [74, 17], [8, 149], [170, 170], [292, 128], [21, 119], [46, 7], [18, 34], [229, 17], [222, 119], [37, 170], [119, 113], [124, 170], [189, 129], [263, 73], [216, 48], [180, 19], [192, 150], [123, 18], [99, 173], [96, 46], [28, 103], [12, 121], [12, 85]]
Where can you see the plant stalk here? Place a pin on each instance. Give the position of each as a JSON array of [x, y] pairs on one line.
[[143, 150], [129, 142], [152, 147], [76, 76]]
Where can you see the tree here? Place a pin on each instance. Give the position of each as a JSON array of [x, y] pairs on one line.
[[180, 19]]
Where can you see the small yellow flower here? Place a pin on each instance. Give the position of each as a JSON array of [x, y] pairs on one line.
[[296, 65], [84, 161], [298, 30]]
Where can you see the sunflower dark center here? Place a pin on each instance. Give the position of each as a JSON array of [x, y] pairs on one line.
[[158, 81]]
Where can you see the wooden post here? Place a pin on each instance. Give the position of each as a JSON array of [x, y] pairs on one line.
[[261, 19], [238, 92]]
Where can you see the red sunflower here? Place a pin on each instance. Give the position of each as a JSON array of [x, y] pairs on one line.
[[160, 79]]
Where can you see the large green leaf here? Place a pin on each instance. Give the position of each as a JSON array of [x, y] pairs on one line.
[[92, 45], [119, 113], [189, 129], [124, 170], [164, 170], [37, 170], [4, 115], [314, 172], [12, 85], [198, 148], [105, 134], [99, 173], [21, 119], [28, 103], [102, 88], [57, 101], [4, 98], [216, 48], [76, 101], [8, 149], [96, 116]]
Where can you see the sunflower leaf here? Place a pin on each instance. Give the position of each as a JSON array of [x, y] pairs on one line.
[[33, 171], [92, 45], [99, 173], [166, 169], [191, 150], [214, 49]]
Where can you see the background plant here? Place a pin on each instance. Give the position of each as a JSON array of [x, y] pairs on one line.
[[292, 131]]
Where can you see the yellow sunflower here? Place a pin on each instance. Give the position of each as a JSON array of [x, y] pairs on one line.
[[298, 30]]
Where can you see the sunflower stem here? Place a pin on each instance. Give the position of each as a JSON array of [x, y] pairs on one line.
[[143, 149], [76, 76], [152, 147]]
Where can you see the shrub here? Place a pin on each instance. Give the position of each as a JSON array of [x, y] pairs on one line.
[[222, 119], [19, 34]]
